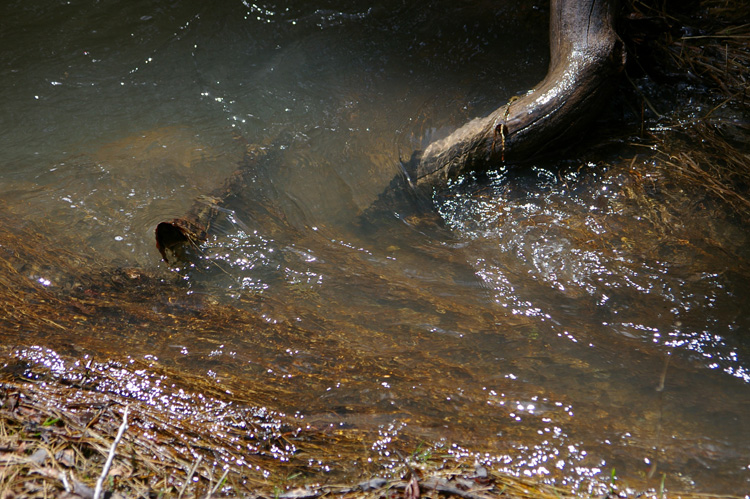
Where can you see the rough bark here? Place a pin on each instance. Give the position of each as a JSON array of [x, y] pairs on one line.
[[585, 57]]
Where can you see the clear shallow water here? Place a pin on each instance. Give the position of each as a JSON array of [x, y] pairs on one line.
[[557, 321]]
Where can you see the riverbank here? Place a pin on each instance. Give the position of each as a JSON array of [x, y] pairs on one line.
[[56, 441]]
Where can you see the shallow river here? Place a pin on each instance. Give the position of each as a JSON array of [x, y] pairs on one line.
[[557, 320]]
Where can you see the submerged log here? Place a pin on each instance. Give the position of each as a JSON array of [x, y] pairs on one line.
[[175, 238], [585, 57]]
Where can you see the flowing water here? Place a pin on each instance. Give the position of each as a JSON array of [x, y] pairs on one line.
[[557, 320]]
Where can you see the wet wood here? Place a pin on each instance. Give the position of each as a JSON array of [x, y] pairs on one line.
[[586, 56], [175, 238]]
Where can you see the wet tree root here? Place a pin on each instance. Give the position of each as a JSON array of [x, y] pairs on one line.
[[586, 55]]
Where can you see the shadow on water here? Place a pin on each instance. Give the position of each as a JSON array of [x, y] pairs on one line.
[[554, 321]]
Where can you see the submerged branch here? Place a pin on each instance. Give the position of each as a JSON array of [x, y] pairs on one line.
[[176, 237]]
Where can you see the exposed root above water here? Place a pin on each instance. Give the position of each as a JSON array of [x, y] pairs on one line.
[[585, 57]]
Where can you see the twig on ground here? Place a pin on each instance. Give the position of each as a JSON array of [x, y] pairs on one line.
[[190, 476], [111, 456], [218, 484]]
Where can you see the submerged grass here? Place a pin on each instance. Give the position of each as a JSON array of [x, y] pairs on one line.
[[696, 62]]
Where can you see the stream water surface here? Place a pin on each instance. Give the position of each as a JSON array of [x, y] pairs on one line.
[[557, 320]]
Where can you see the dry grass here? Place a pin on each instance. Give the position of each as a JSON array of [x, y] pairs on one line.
[[59, 451], [702, 155], [709, 42]]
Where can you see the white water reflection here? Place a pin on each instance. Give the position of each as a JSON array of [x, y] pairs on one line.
[[541, 241]]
